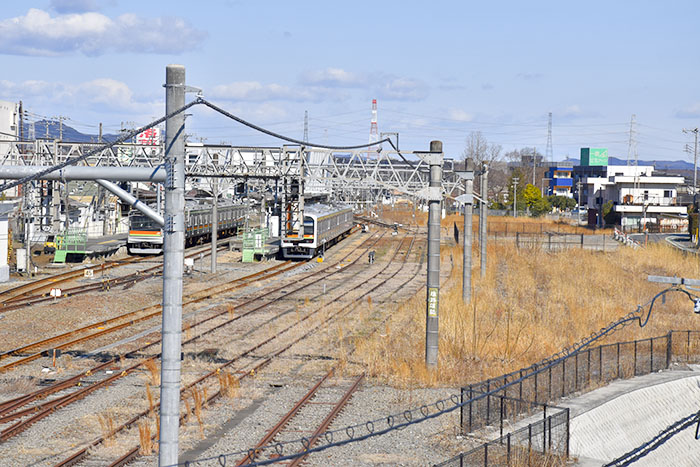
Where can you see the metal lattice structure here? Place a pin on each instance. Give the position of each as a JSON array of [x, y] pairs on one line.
[[345, 174]]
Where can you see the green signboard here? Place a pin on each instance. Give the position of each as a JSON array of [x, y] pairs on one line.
[[594, 156]]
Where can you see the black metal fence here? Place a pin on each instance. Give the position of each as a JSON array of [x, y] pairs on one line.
[[576, 372], [545, 441]]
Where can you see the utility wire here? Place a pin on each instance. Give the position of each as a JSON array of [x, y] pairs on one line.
[[75, 160], [282, 137]]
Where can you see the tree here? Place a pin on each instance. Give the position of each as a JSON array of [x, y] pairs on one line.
[[540, 207], [563, 203], [531, 194], [610, 216], [480, 150], [534, 200]]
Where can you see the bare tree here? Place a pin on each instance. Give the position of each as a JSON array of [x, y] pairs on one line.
[[480, 150]]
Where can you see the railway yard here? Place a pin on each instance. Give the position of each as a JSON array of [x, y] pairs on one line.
[[280, 357], [275, 339]]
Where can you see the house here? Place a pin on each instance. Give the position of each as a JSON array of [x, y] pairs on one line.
[[561, 181], [641, 199]]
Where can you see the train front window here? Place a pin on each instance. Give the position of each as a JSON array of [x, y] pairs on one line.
[[308, 226], [140, 222]]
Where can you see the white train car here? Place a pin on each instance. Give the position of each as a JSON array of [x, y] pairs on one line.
[[323, 226], [146, 236]]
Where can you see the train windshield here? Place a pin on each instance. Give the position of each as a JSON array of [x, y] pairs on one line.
[[308, 226], [141, 222]]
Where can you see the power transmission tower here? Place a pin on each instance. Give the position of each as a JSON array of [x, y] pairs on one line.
[[695, 157], [549, 152], [632, 146], [306, 125]]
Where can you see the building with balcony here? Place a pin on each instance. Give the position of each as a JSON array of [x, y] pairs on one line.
[[642, 199], [561, 181]]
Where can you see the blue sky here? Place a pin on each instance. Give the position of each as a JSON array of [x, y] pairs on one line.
[[439, 69]]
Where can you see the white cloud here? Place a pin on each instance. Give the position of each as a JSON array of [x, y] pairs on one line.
[[529, 76], [334, 77], [403, 89], [73, 6], [99, 94], [459, 115], [380, 85], [39, 33], [692, 111], [257, 92]]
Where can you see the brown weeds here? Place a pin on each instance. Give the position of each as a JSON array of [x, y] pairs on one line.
[[529, 305], [146, 443], [229, 385], [153, 372], [107, 425]]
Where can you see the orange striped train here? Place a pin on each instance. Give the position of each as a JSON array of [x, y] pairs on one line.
[[146, 236]]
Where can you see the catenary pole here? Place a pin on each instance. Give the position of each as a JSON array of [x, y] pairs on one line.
[[468, 233], [433, 292], [173, 259], [214, 222], [483, 214]]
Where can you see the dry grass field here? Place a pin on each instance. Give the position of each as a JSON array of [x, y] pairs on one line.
[[530, 304]]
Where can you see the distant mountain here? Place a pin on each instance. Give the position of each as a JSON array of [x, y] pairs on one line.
[[52, 128], [659, 165]]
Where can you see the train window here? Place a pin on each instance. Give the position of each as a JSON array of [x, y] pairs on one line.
[[308, 226], [141, 222]]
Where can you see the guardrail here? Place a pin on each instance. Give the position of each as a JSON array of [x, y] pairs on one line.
[[625, 239]]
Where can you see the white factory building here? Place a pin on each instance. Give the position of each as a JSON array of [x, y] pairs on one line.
[[638, 196]]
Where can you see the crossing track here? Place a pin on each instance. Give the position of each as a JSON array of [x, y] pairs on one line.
[[256, 362], [26, 407], [327, 385], [39, 291], [128, 319]]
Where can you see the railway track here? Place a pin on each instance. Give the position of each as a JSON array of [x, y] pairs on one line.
[[328, 392], [10, 409], [246, 369], [38, 291]]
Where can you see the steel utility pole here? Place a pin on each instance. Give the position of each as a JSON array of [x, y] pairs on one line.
[[515, 196], [483, 214], [173, 259], [433, 292], [695, 158], [578, 184]]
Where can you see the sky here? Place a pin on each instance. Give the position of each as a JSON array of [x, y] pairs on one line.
[[439, 70]]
